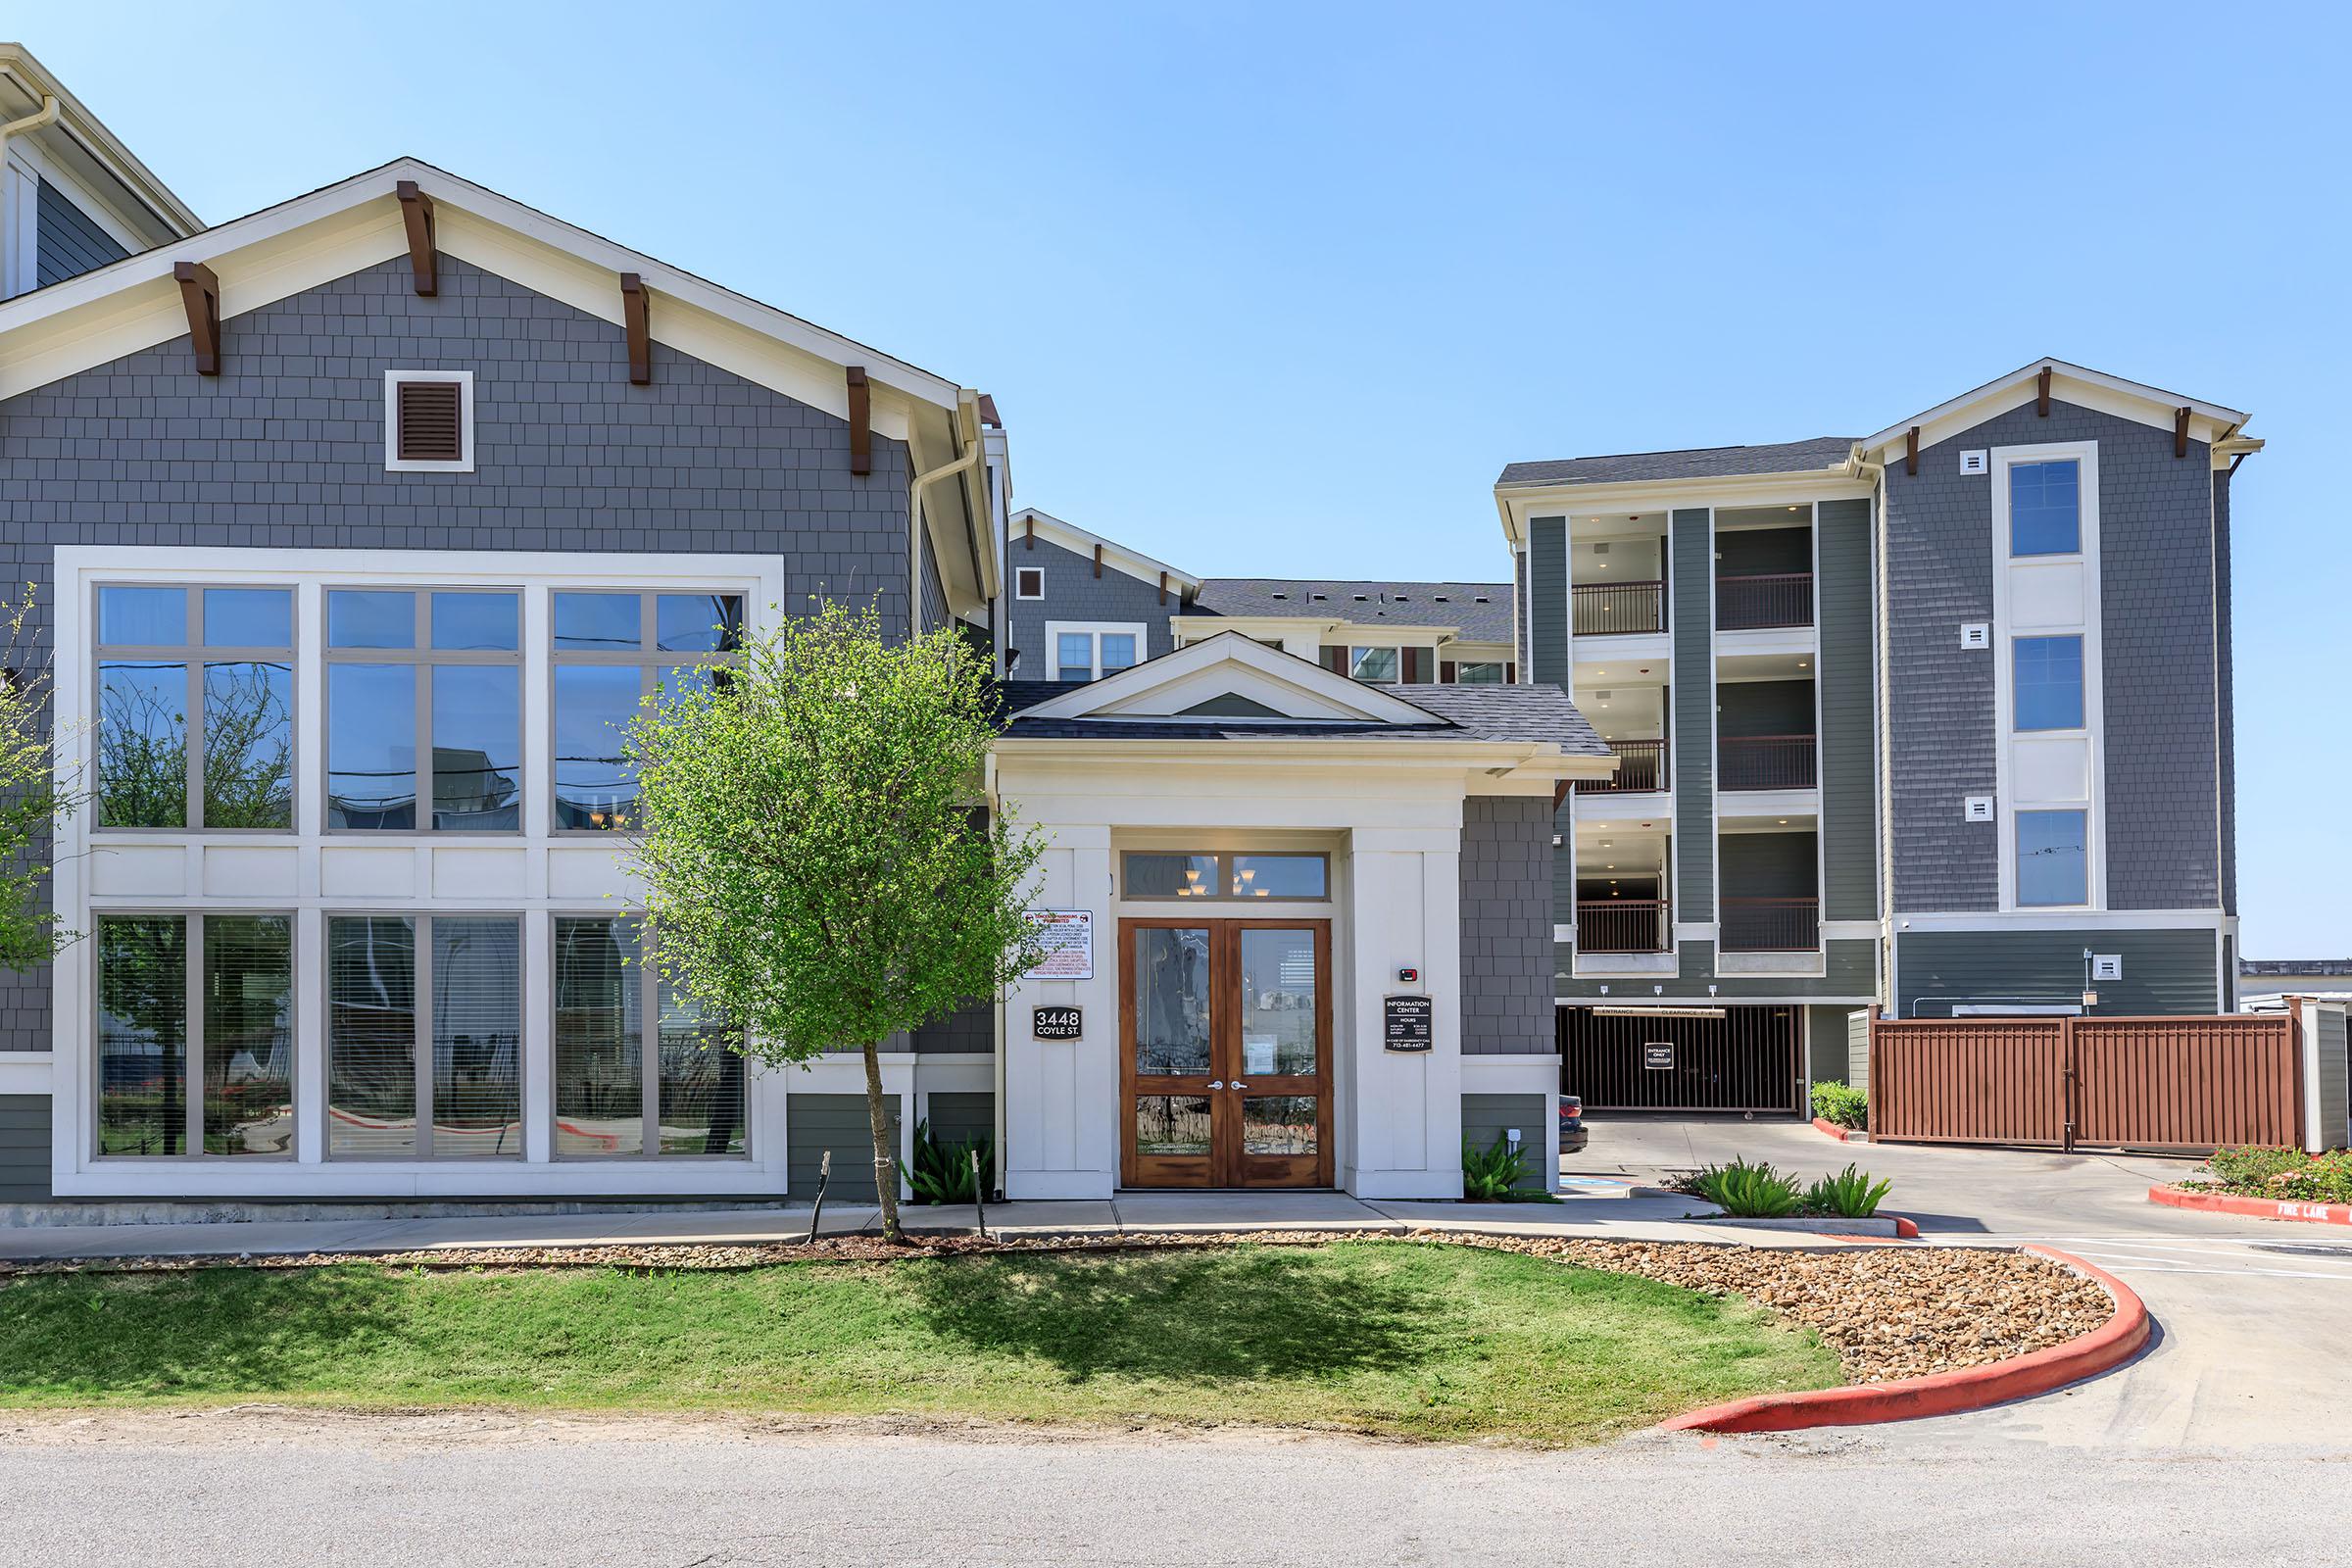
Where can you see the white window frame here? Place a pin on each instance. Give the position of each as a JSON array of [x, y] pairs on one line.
[[394, 462], [2008, 739], [1021, 572], [1096, 630]]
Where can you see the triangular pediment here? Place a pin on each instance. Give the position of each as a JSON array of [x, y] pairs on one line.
[[1234, 680]]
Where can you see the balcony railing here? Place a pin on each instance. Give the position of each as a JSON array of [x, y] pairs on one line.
[[1640, 770], [1771, 926], [1623, 925], [1603, 609], [1766, 763], [1756, 603]]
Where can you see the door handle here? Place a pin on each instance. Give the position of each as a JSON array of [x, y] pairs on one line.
[[1218, 1084], [1238, 1084]]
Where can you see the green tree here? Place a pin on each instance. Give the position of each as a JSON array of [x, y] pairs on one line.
[[33, 798], [814, 858]]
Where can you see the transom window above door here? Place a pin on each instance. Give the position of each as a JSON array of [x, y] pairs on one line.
[[1081, 652], [1227, 875]]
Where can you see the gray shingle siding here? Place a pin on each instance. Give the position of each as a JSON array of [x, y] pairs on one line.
[[285, 449], [1849, 771], [1691, 617], [2159, 689], [2164, 971], [1074, 593], [25, 1152], [2222, 590], [1506, 926], [967, 1030], [68, 241], [934, 593]]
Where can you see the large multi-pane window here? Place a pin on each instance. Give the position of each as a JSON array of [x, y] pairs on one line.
[[424, 1036], [195, 707], [2047, 691], [608, 1005], [231, 978], [2046, 508], [612, 651], [425, 709]]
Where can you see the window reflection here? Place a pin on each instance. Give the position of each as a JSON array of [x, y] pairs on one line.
[[249, 745], [477, 747], [1171, 1124], [142, 744], [1171, 1000]]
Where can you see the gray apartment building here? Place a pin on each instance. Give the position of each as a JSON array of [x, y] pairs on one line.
[[1936, 719]]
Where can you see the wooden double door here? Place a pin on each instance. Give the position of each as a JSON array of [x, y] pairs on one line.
[[1225, 1053]]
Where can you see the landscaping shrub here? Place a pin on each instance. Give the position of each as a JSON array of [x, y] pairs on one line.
[[1849, 1195], [1842, 1104], [942, 1173], [2286, 1174], [1748, 1190], [1492, 1175]]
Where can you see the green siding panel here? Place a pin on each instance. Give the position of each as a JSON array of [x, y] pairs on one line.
[[1693, 619], [1485, 1117], [1849, 749], [815, 1123], [24, 1149], [1825, 1044], [962, 1118], [1547, 628], [2164, 971]]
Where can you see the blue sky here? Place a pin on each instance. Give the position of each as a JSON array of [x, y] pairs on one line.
[[1276, 288]]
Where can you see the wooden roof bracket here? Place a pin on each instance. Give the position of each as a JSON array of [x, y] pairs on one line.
[[636, 315], [861, 421], [1097, 560], [1029, 535], [417, 216], [199, 292], [2042, 395], [2181, 432], [1163, 587], [1911, 450]]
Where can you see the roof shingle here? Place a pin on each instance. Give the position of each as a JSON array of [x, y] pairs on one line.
[[1482, 610], [1695, 462]]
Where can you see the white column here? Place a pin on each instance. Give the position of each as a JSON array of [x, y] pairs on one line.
[[1061, 1097], [1404, 907]]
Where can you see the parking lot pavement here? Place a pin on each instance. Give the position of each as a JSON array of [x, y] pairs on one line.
[[2250, 1351]]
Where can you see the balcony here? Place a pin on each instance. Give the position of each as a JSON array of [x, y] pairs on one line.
[[1612, 609], [1764, 601], [1640, 770], [1766, 763], [1770, 926], [1623, 925]]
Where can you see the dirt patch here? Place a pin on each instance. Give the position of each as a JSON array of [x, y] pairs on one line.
[[1889, 1312]]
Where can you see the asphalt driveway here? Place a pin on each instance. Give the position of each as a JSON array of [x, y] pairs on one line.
[[2252, 1350]]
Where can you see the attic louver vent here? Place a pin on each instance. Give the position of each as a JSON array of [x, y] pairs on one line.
[[1278, 595], [1360, 598], [1481, 599], [1437, 597], [431, 420]]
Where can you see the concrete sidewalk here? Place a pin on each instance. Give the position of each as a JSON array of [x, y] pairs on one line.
[[1615, 1212]]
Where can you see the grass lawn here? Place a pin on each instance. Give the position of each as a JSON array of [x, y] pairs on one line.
[[1411, 1340]]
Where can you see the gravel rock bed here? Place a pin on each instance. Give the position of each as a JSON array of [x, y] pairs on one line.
[[1889, 1312]]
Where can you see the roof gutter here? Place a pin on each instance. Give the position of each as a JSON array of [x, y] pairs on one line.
[[965, 399], [46, 114]]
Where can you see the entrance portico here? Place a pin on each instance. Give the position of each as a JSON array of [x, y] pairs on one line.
[[1264, 853]]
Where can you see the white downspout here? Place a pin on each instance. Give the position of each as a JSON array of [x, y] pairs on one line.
[[914, 510], [46, 114]]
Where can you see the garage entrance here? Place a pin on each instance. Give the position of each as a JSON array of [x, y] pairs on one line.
[[1697, 1058]]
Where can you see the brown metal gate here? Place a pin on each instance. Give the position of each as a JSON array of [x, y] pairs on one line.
[[1745, 1059], [2188, 1084]]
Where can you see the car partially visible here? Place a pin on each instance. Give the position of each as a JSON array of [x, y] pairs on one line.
[[1572, 1124]]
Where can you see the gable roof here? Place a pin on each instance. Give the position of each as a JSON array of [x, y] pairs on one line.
[[1079, 541], [1366, 602], [1534, 715], [1809, 455], [2070, 383]]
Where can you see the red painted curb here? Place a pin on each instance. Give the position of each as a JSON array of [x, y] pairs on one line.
[[2257, 1207], [1904, 1228], [2108, 1345], [1844, 1135]]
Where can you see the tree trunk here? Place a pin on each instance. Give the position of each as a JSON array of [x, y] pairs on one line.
[[886, 1149]]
